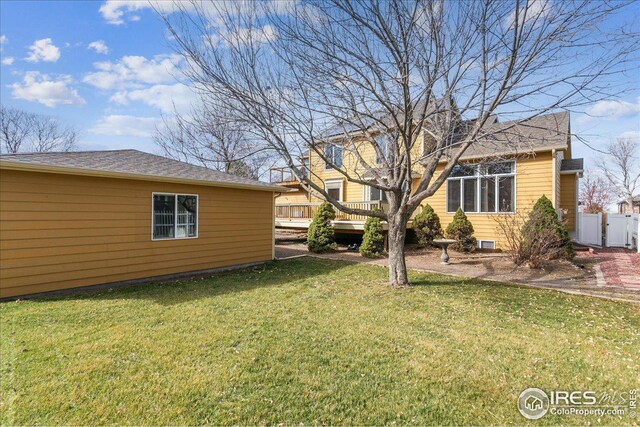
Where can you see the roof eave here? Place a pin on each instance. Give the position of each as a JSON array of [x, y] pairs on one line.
[[32, 167], [510, 153]]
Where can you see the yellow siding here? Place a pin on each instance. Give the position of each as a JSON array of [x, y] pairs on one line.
[[568, 184], [298, 196], [64, 231], [533, 179]]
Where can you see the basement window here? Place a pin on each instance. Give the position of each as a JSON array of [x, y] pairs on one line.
[[175, 216], [486, 244]]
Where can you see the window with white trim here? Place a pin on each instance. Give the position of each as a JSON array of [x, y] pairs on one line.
[[372, 194], [484, 188], [334, 189], [175, 216], [333, 153]]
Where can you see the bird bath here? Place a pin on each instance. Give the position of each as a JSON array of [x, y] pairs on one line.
[[444, 244]]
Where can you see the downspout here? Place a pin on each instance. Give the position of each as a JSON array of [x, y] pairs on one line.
[[554, 183], [273, 224]]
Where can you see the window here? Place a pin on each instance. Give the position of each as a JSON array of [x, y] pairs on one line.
[[175, 216], [333, 153], [373, 194], [381, 142], [482, 188], [334, 189]]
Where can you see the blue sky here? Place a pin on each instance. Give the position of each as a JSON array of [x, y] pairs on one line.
[[107, 68]]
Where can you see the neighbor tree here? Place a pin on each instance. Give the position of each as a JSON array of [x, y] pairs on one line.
[[289, 70], [21, 131], [620, 165], [595, 193], [209, 136]]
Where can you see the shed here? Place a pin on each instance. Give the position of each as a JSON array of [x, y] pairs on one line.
[[78, 219]]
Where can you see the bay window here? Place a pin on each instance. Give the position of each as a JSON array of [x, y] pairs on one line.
[[486, 188], [175, 216]]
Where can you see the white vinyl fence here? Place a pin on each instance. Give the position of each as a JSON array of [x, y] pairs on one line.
[[635, 232], [590, 229], [621, 230]]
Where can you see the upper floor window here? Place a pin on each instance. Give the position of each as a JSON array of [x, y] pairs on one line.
[[482, 188], [175, 216], [333, 153], [381, 142]]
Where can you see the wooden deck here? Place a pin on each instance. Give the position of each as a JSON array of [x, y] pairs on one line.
[[306, 211]]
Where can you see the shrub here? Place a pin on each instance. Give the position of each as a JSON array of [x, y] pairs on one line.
[[535, 237], [373, 239], [427, 226], [461, 230], [543, 216], [321, 236]]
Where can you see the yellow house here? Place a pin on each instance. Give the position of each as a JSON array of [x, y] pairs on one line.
[[76, 219], [499, 176]]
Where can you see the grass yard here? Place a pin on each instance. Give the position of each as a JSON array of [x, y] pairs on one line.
[[310, 341]]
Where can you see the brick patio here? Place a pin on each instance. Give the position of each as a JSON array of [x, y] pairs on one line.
[[619, 267]]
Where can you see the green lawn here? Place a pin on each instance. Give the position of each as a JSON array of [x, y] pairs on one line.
[[309, 341]]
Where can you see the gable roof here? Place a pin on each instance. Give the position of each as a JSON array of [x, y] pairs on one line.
[[131, 164], [541, 133]]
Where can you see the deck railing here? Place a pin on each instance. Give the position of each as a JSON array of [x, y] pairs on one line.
[[285, 174], [293, 211]]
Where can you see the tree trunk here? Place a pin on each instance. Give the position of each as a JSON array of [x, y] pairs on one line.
[[397, 264]]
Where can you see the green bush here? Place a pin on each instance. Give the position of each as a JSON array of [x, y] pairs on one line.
[[427, 226], [543, 216], [460, 229], [373, 239], [321, 236]]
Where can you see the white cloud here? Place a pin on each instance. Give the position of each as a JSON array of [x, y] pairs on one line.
[[167, 98], [3, 39], [133, 71], [614, 109], [37, 87], [8, 60], [123, 125], [43, 50], [113, 11], [99, 46], [536, 11], [633, 134]]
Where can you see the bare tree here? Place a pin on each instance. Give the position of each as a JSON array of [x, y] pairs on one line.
[[23, 131], [211, 138], [15, 126], [394, 68], [621, 168], [595, 193]]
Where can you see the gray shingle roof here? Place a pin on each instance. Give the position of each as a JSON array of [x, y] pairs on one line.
[[138, 163], [572, 165], [545, 132]]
